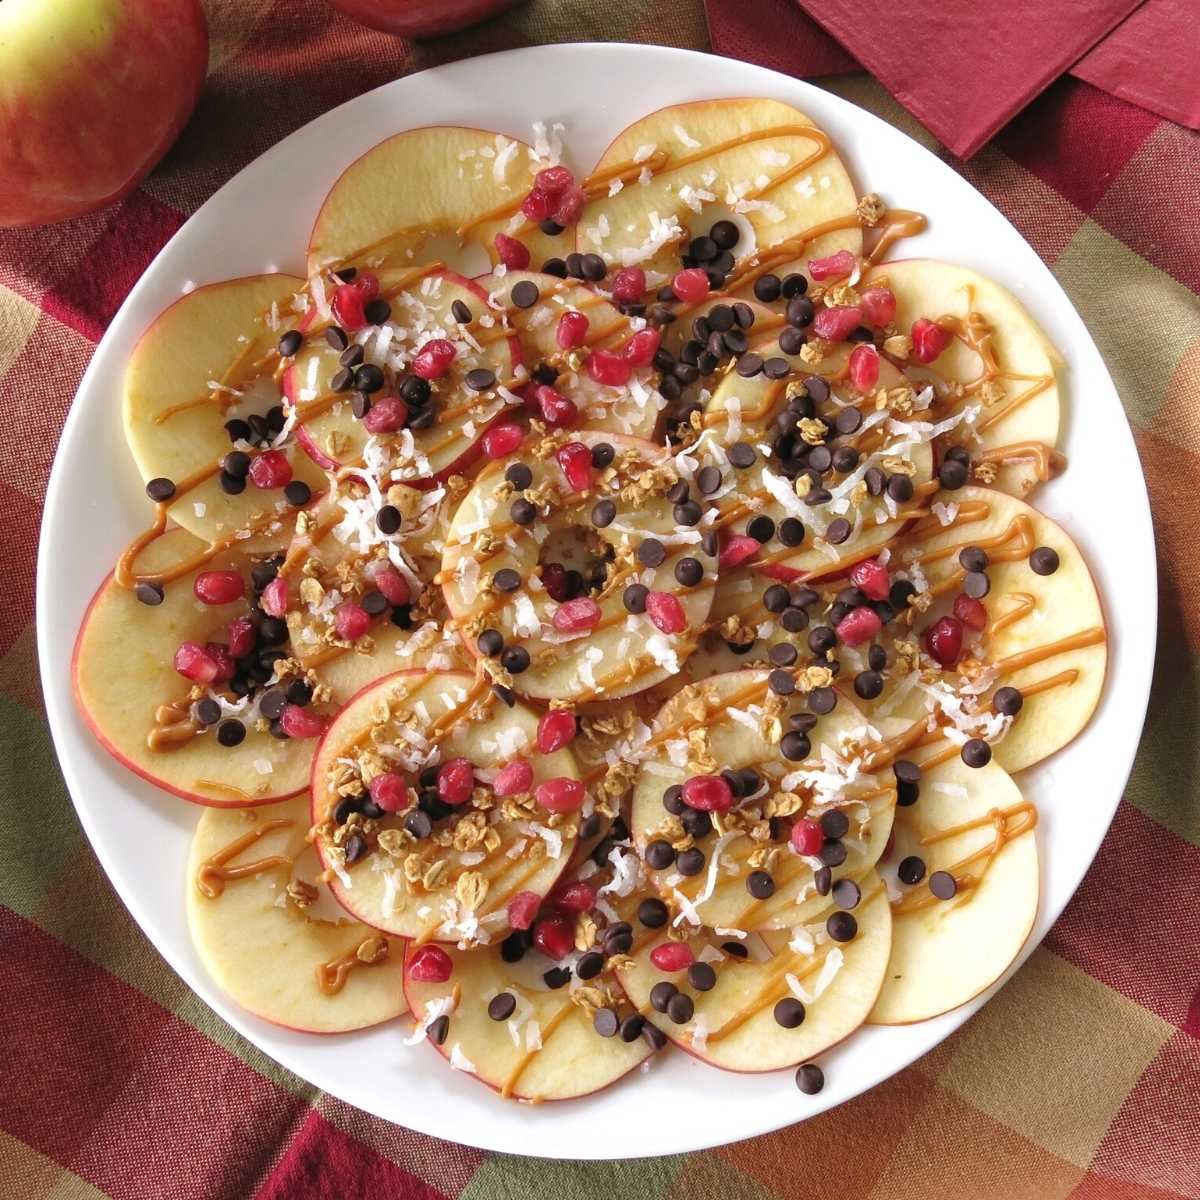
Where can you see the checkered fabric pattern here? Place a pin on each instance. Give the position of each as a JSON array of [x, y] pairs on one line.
[[1080, 1079]]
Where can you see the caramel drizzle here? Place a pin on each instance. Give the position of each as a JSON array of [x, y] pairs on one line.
[[522, 1064], [213, 873], [173, 726], [332, 975], [1047, 462]]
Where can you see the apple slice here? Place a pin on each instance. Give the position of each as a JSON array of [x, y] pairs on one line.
[[440, 192], [612, 651], [174, 419], [973, 825], [733, 1024], [723, 718], [252, 916], [760, 162], [409, 723], [998, 354]]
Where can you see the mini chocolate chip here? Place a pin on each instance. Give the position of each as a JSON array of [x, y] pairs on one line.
[[149, 593], [710, 543], [791, 531], [661, 995], [681, 1008], [690, 862], [388, 519], [911, 869], [460, 312], [741, 455], [231, 733], [1007, 701], [749, 365], [906, 771], [822, 700], [810, 1079], [837, 531], [161, 489], [821, 639], [652, 913], [900, 488], [506, 579], [794, 284], [515, 659], [519, 475], [835, 823], [848, 420], [868, 685], [818, 496], [823, 880], [702, 977], [352, 356], [297, 493], [416, 391], [943, 885], [606, 1022], [783, 654], [877, 658], [1044, 561], [513, 948], [374, 603], [789, 1012], [651, 552], [208, 711], [688, 513], [490, 642], [659, 855], [522, 511], [502, 1006], [708, 480], [767, 288], [795, 747], [355, 848], [418, 823], [290, 343], [672, 799], [841, 927], [845, 459], [976, 584], [632, 1027], [900, 593], [556, 977], [760, 885], [438, 1030], [761, 528], [377, 311], [976, 752], [875, 480], [846, 893], [590, 964], [776, 367], [480, 379], [689, 572], [336, 337], [634, 597], [782, 683], [820, 459], [952, 475], [973, 558], [524, 294], [604, 513], [833, 852], [735, 950]]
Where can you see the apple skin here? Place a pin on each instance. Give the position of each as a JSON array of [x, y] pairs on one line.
[[92, 94], [420, 18]]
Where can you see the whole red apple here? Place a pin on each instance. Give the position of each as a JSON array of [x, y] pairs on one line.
[[421, 18], [92, 94]]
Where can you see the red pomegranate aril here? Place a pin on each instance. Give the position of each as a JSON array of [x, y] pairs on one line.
[[538, 205], [609, 368], [557, 410], [871, 577], [807, 837], [555, 730], [560, 795], [194, 662], [513, 778], [554, 936], [574, 897], [502, 440], [944, 640], [738, 549], [219, 587], [970, 611], [351, 620], [553, 180], [642, 347], [350, 300], [878, 305], [455, 781], [270, 470], [554, 580], [386, 415], [575, 459], [522, 909], [569, 206], [929, 340], [691, 285], [389, 791], [666, 612], [708, 793], [577, 616], [836, 324], [274, 598], [629, 285], [392, 584], [299, 722], [672, 956], [241, 636], [429, 964], [833, 266], [434, 358], [572, 330], [859, 625], [864, 367], [226, 667], [513, 254]]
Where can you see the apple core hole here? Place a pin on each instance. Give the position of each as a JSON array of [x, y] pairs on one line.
[[579, 551]]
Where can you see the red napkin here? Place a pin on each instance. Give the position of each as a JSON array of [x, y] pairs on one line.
[[776, 34]]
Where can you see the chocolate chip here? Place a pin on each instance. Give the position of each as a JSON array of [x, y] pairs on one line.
[[742, 455], [419, 824], [631, 1028], [943, 885], [594, 268], [590, 964], [702, 977], [360, 404], [976, 584], [460, 312], [976, 752], [906, 771], [847, 420], [659, 855], [297, 493], [736, 342], [822, 700], [290, 343], [846, 893], [841, 927], [681, 1008], [606, 1022], [952, 475], [161, 489], [336, 337], [875, 480], [791, 531], [550, 227], [490, 642], [387, 519], [845, 459], [776, 368], [377, 311], [438, 1030], [900, 488], [673, 801], [507, 580], [149, 593], [689, 572], [783, 654], [794, 285], [868, 685], [525, 294], [823, 880], [522, 511], [346, 274], [821, 639], [687, 513], [911, 869], [788, 1012], [708, 480], [515, 660], [374, 603], [767, 288], [231, 733], [480, 379], [820, 459], [795, 747], [749, 365], [502, 1006], [634, 598], [725, 234], [837, 531], [655, 1036], [833, 852], [690, 862], [818, 496], [208, 711], [652, 912], [661, 994], [604, 513], [810, 1079], [710, 543], [835, 823], [760, 885], [651, 552], [973, 558], [519, 475], [1007, 701], [355, 848], [1044, 561], [782, 683], [556, 977]]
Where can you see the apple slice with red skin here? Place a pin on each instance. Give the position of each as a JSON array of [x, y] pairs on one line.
[[265, 955], [377, 894]]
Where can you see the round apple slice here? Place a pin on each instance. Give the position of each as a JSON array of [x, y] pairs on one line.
[[971, 838], [591, 646], [669, 176], [734, 868], [452, 875], [252, 913], [831, 985], [998, 356], [206, 359], [437, 193]]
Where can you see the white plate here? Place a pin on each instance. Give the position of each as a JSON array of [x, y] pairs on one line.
[[260, 221]]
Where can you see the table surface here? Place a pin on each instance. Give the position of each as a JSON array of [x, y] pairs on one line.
[[1080, 1079]]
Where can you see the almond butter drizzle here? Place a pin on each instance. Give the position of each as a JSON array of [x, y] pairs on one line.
[[213, 873], [332, 975], [1046, 460], [173, 726]]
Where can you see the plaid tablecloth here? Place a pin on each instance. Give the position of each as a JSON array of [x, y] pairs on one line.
[[1081, 1079]]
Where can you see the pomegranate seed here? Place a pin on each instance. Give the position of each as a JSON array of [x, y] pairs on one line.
[[738, 549], [559, 795], [871, 577], [572, 330], [351, 620], [430, 964], [672, 956], [502, 440], [629, 285], [513, 254], [538, 205], [575, 897], [570, 205], [513, 779], [807, 838], [555, 730], [576, 462], [386, 415], [554, 580], [270, 470], [389, 791], [943, 640], [219, 653], [434, 358], [455, 781], [864, 367], [642, 347], [577, 616], [194, 662], [608, 368], [929, 340], [274, 598], [350, 300], [242, 636], [665, 611], [834, 266], [878, 305], [557, 411], [709, 793], [300, 722], [691, 285], [392, 584], [837, 323], [859, 625], [970, 611], [522, 908], [219, 587], [553, 180], [554, 936]]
